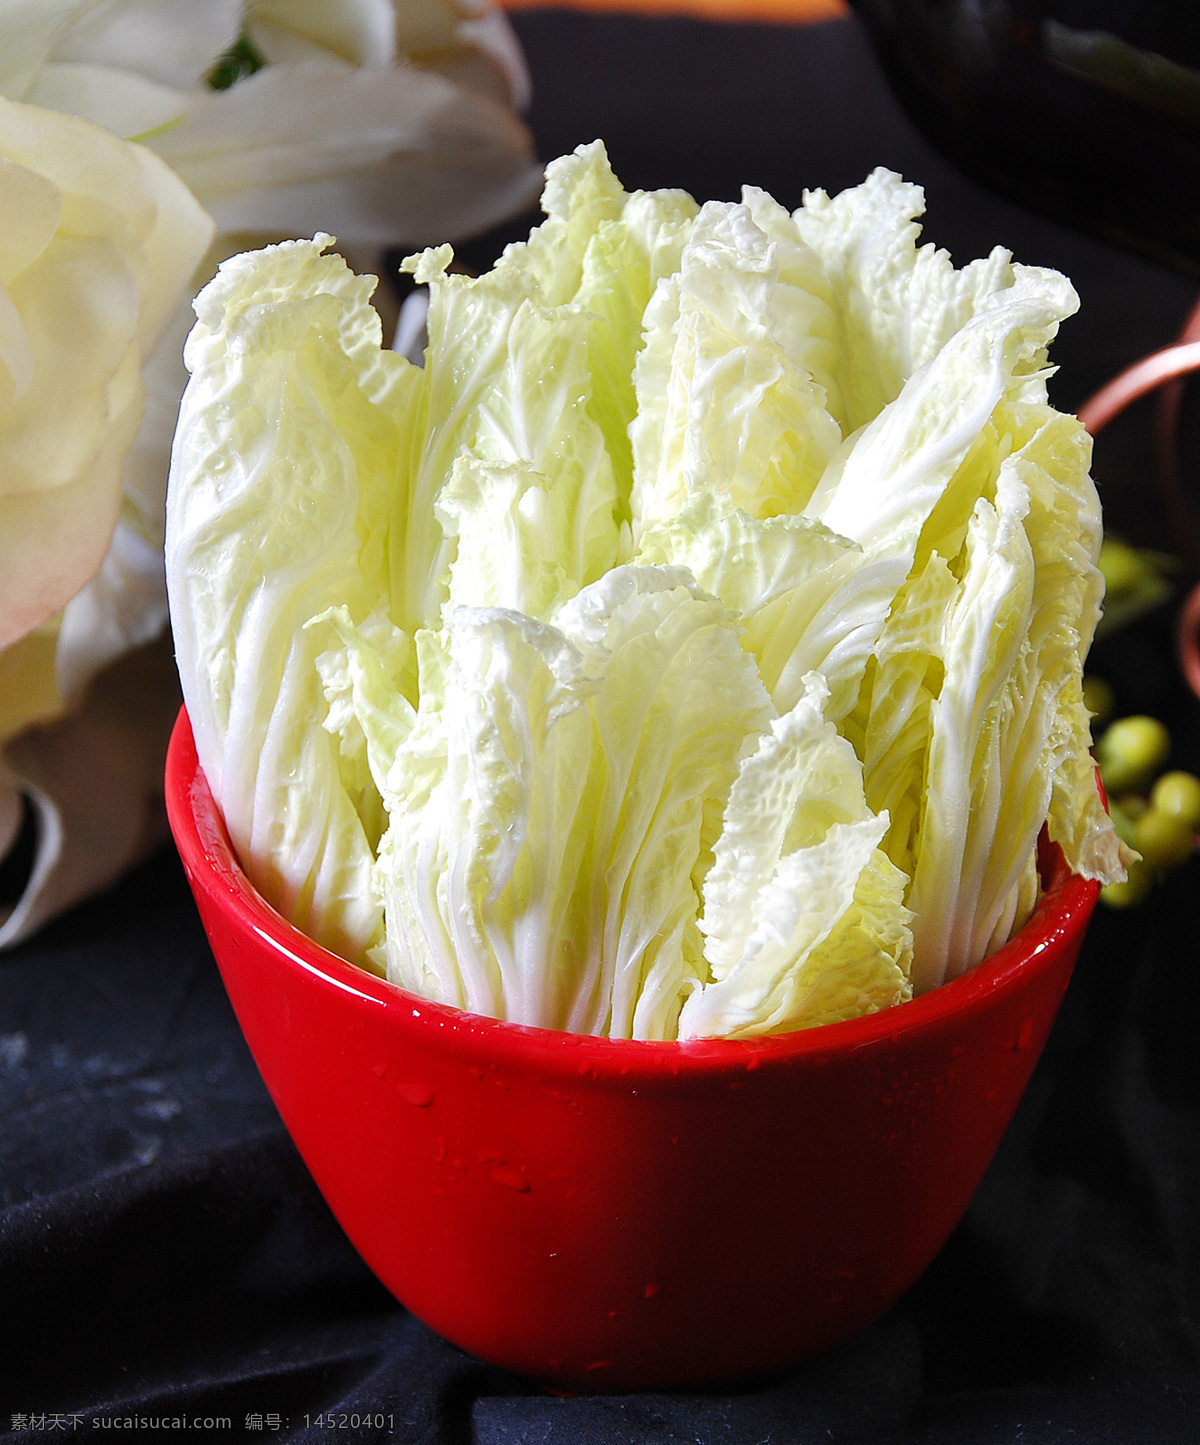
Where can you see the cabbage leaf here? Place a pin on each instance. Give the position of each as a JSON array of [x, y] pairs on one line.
[[691, 647]]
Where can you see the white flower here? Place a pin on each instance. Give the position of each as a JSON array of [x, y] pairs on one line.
[[390, 122], [98, 241], [380, 121]]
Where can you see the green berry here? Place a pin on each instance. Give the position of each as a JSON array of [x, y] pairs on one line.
[[1123, 819], [1123, 569], [1178, 793], [1099, 699], [1164, 840], [1130, 752], [1130, 893]]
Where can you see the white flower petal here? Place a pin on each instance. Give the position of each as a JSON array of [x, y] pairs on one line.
[[492, 37], [173, 249], [360, 31], [85, 307], [397, 156], [32, 208], [428, 25], [16, 355], [99, 177], [30, 31], [120, 100], [277, 46], [123, 606], [171, 41]]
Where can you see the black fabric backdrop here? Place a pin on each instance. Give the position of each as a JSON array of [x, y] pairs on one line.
[[163, 1252]]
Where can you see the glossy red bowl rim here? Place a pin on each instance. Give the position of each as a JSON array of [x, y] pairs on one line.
[[210, 862]]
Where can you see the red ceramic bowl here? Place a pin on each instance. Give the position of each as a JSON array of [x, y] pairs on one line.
[[601, 1214]]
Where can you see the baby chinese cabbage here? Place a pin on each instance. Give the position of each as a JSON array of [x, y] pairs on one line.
[[691, 647]]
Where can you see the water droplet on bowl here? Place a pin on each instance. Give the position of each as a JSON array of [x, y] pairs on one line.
[[420, 1096]]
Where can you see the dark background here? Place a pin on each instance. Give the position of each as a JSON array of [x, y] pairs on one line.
[[162, 1249]]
